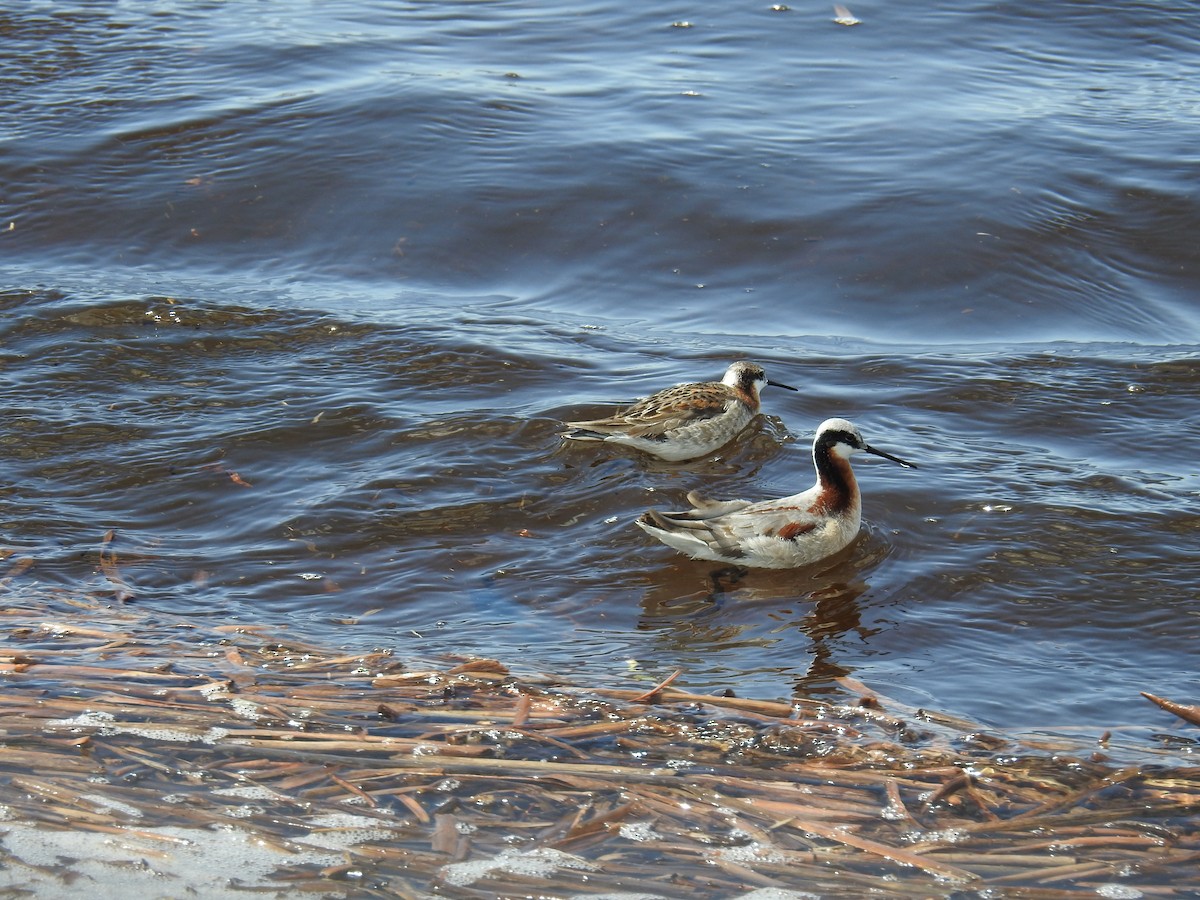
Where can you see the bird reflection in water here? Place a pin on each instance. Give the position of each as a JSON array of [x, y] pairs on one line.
[[738, 611]]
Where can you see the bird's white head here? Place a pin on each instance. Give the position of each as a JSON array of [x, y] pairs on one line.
[[841, 437], [749, 378]]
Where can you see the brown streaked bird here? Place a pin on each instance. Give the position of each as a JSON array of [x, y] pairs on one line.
[[685, 421], [777, 534]]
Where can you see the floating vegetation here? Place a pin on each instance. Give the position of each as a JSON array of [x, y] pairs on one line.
[[141, 751]]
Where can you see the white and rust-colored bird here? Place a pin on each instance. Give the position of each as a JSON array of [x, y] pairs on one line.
[[777, 534]]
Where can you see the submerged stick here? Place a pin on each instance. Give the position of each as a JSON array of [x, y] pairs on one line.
[[895, 854], [108, 566], [653, 695], [1187, 712]]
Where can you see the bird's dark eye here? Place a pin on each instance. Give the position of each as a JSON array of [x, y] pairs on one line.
[[844, 437]]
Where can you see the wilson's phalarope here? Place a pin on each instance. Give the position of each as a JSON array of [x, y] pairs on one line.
[[685, 421], [777, 534]]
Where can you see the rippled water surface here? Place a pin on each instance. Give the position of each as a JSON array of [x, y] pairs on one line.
[[296, 295]]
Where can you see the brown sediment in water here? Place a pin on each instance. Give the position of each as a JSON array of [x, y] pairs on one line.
[[314, 771]]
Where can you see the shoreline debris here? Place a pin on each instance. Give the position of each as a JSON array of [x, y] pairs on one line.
[[362, 773]]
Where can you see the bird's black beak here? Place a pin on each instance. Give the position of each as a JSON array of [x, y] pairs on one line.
[[780, 384], [894, 459]]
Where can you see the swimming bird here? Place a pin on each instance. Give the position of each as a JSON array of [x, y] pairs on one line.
[[685, 421], [777, 534]]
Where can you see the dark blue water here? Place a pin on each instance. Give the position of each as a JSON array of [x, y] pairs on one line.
[[296, 295]]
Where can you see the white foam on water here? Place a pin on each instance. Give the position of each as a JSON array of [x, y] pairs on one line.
[[248, 792], [346, 830], [541, 862], [245, 812], [638, 831], [244, 708], [215, 692], [108, 865], [86, 719], [106, 724], [755, 852]]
